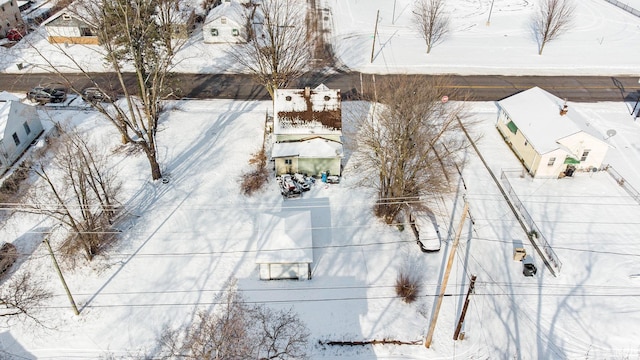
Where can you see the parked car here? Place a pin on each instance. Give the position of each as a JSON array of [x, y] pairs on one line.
[[8, 255], [93, 94], [333, 179], [15, 35], [47, 94], [288, 187], [303, 181]]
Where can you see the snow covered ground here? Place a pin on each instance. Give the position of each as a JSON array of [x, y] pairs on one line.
[[186, 238], [602, 41]]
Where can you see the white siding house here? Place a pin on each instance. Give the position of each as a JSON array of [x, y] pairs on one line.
[[226, 23], [66, 27], [19, 126], [307, 129], [550, 137], [10, 17], [285, 246]]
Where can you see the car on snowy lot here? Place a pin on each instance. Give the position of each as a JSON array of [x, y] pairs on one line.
[[333, 179], [288, 187], [303, 181], [93, 94], [8, 255], [47, 94]]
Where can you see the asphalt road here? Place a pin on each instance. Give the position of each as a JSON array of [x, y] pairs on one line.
[[480, 87]]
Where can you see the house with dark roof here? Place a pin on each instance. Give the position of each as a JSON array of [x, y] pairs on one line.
[[307, 130]]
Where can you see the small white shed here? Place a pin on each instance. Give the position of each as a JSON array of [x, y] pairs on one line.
[[285, 246], [226, 24]]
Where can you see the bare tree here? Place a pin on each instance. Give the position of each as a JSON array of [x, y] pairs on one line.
[[431, 20], [237, 330], [137, 36], [554, 18], [409, 141], [21, 296], [78, 191], [278, 49]]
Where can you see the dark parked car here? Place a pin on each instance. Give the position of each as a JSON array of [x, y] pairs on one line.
[[8, 255], [93, 94], [47, 94]]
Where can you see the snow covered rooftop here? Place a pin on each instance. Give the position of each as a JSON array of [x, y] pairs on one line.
[[307, 111], [285, 238], [233, 10], [536, 113], [12, 108], [312, 148]]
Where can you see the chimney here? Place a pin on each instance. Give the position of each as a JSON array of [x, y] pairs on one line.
[[307, 92], [565, 109]]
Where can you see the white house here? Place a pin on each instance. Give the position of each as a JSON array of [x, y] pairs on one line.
[[10, 17], [307, 128], [285, 246], [226, 23], [66, 27], [549, 136], [19, 126]]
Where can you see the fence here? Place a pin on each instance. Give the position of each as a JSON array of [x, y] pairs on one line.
[[625, 7], [537, 237], [624, 183]]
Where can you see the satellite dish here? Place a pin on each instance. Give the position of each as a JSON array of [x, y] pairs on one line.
[[610, 133]]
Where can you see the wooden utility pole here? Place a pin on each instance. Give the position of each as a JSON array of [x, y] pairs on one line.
[[375, 32], [464, 308], [64, 283], [445, 278]]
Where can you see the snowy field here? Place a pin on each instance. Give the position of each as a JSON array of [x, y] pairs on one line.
[[187, 237], [603, 41]]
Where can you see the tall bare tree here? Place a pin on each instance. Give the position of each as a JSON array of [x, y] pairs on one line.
[[554, 18], [409, 141], [237, 330], [431, 20], [79, 191], [135, 36], [278, 49]]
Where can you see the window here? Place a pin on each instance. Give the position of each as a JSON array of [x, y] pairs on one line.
[[16, 139], [214, 32], [223, 20], [552, 160], [584, 155], [2, 7], [526, 143], [512, 127], [235, 32], [287, 161], [27, 128], [288, 98]]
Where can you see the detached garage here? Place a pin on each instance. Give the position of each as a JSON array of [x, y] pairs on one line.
[[285, 246]]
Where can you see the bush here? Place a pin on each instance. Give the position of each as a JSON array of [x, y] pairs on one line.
[[255, 180], [407, 287]]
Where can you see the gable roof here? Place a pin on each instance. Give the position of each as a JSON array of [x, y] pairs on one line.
[[233, 11], [536, 113], [66, 18], [318, 108], [285, 238], [10, 109], [316, 147]]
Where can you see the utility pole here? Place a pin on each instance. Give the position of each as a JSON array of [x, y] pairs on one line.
[[393, 17], [490, 10], [64, 283], [464, 308], [445, 278], [375, 32]]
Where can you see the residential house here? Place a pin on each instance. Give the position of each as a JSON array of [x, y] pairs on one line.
[[67, 27], [10, 17], [307, 129], [285, 246], [226, 23], [19, 127], [550, 137]]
